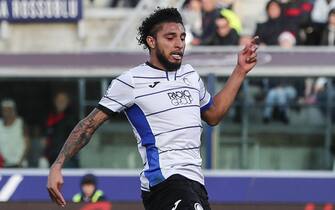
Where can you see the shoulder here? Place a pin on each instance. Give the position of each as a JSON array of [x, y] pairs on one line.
[[138, 69], [19, 121], [188, 71]]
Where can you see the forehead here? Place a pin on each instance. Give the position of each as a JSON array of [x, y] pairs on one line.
[[171, 27]]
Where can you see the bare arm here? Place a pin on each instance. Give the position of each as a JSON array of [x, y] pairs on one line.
[[77, 139], [223, 100]]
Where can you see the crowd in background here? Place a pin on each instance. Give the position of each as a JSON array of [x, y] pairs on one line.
[[208, 22], [288, 23], [35, 146]]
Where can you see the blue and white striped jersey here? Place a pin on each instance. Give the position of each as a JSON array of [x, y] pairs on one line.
[[164, 110]]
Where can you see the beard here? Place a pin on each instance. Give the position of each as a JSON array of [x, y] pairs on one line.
[[169, 66]]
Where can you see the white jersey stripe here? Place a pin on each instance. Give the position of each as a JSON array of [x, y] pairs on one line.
[[165, 110], [115, 101], [117, 79], [185, 74], [177, 129], [169, 150]]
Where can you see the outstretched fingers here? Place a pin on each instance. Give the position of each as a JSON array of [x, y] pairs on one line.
[[56, 196], [252, 46], [252, 58]]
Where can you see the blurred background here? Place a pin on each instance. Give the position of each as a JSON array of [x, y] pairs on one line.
[[274, 149]]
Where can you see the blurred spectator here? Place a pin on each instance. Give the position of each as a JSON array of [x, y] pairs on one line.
[[60, 123], [287, 40], [321, 10], [225, 34], [270, 30], [297, 13], [281, 93], [277, 101], [89, 193], [313, 88], [192, 18], [209, 13], [319, 18], [328, 35], [37, 146], [13, 136], [233, 19]]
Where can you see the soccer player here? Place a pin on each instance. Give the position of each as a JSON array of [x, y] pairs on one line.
[[164, 102]]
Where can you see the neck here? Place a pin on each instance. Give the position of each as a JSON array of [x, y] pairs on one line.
[[155, 62], [9, 121]]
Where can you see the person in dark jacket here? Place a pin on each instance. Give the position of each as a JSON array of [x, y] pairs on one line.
[[209, 13], [270, 30], [89, 191], [328, 35], [60, 123], [225, 34]]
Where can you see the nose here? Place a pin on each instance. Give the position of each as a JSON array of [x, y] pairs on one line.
[[179, 43]]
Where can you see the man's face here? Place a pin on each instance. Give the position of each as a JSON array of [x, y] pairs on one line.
[[8, 112], [88, 189], [61, 102], [222, 27], [170, 45], [274, 10], [332, 20]]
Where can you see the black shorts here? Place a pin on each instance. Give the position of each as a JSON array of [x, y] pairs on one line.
[[176, 193]]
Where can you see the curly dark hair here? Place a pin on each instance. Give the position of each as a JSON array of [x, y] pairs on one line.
[[150, 25]]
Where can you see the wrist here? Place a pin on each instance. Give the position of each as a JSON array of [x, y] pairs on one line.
[[57, 166], [240, 71]]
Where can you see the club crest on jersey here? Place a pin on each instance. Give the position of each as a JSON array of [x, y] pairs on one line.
[[180, 97]]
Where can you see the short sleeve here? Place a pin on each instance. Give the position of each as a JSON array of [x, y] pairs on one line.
[[205, 97], [119, 95]]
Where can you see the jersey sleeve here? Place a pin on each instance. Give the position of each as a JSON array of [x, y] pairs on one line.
[[119, 95], [205, 97]]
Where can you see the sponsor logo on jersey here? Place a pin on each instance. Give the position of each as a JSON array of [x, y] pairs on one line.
[[180, 97], [153, 85]]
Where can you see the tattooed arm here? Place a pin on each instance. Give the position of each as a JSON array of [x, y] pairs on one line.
[[77, 139]]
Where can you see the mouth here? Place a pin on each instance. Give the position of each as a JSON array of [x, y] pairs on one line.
[[177, 56]]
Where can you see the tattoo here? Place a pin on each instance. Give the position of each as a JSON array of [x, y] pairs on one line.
[[81, 135]]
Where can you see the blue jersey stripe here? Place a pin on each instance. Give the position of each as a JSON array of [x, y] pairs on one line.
[[139, 121], [207, 106], [149, 94], [177, 129], [204, 95], [165, 110]]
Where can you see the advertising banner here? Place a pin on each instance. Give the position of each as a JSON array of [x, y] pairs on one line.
[[40, 10]]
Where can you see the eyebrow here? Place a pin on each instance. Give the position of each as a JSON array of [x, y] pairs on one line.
[[174, 33]]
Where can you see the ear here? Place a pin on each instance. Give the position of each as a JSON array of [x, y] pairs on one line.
[[151, 41]]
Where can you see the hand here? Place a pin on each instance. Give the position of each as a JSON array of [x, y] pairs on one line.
[[55, 182], [247, 58]]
